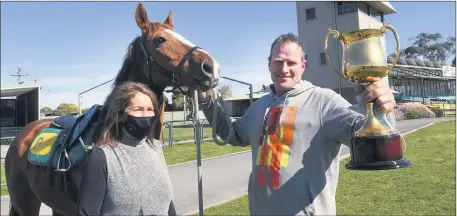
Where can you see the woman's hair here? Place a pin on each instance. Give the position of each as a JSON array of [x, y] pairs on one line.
[[116, 103]]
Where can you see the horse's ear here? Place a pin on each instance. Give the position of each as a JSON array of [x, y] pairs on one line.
[[141, 18], [169, 20]]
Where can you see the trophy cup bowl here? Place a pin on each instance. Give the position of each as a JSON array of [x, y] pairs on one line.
[[376, 145]]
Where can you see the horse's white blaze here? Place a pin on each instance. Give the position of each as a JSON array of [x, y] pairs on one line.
[[179, 37], [216, 66]]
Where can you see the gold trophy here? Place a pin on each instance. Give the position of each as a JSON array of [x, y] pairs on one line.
[[377, 145]]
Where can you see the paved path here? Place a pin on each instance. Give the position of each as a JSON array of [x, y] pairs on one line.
[[223, 177]]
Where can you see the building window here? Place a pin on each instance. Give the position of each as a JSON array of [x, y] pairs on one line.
[[346, 7], [323, 59], [310, 13]]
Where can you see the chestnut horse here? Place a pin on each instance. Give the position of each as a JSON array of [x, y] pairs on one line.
[[160, 58]]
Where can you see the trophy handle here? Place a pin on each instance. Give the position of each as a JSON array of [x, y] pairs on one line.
[[335, 34], [397, 56]]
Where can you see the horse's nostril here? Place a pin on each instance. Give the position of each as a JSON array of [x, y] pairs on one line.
[[207, 67]]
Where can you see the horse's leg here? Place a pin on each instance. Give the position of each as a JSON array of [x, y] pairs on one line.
[[23, 200]]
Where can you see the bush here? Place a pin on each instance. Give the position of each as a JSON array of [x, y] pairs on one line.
[[414, 114], [413, 111], [438, 111], [399, 115]]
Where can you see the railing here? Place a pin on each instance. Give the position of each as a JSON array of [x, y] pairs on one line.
[[174, 132], [7, 135], [183, 131]]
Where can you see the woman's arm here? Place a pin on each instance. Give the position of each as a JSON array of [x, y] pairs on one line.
[[93, 184]]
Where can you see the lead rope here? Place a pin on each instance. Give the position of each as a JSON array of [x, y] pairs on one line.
[[214, 122], [216, 97]]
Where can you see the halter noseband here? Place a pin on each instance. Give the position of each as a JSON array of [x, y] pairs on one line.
[[175, 74]]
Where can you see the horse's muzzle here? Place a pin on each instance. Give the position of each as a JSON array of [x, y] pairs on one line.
[[207, 84]]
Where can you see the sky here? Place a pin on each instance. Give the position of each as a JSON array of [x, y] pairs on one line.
[[69, 47]]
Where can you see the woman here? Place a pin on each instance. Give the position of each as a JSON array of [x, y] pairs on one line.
[[126, 173]]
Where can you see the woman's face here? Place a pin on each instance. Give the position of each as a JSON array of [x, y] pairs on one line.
[[140, 106]]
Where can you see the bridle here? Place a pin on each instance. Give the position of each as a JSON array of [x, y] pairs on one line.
[[174, 75]]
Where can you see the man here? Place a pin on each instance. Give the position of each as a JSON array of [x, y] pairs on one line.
[[295, 134]]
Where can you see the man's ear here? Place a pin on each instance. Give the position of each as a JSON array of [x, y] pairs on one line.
[[304, 63]]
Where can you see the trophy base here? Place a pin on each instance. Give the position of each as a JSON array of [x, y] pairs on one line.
[[377, 153], [386, 165]]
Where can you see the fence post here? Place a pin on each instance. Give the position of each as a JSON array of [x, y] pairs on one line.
[[170, 134], [163, 137]]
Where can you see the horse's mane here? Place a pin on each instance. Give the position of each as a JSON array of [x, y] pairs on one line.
[[122, 76], [125, 74], [129, 59]]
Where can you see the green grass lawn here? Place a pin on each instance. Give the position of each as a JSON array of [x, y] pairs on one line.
[[188, 151], [180, 134], [425, 188], [3, 189]]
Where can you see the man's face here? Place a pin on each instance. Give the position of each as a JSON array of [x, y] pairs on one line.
[[286, 66]]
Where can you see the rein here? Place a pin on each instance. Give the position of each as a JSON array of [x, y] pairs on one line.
[[214, 121]]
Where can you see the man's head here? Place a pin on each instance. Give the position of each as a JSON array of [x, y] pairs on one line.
[[286, 62]]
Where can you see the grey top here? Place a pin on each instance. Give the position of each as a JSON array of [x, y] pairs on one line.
[[295, 140], [129, 179]]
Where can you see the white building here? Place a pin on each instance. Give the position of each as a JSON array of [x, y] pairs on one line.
[[314, 21]]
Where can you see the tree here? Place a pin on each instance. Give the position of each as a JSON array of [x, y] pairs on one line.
[[66, 109], [429, 47], [178, 101], [46, 110], [265, 88], [225, 91], [84, 110], [170, 106], [453, 62]]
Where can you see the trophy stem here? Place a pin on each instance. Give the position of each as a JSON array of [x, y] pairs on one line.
[[372, 125]]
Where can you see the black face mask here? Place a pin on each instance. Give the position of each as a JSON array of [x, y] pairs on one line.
[[139, 127]]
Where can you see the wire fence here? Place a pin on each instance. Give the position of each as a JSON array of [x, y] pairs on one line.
[[174, 132]]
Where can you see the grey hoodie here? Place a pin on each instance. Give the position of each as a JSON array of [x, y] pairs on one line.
[[295, 164]]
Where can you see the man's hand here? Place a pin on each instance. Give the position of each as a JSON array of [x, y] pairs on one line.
[[203, 96], [380, 93]]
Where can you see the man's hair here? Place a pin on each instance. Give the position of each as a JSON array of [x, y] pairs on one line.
[[288, 37], [116, 103]]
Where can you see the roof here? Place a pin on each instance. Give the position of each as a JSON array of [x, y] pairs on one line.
[[382, 6], [246, 97], [416, 62], [408, 67], [16, 90]]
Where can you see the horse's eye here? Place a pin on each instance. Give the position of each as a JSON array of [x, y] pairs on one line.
[[159, 40]]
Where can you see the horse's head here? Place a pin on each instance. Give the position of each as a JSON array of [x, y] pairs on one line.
[[168, 59]]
